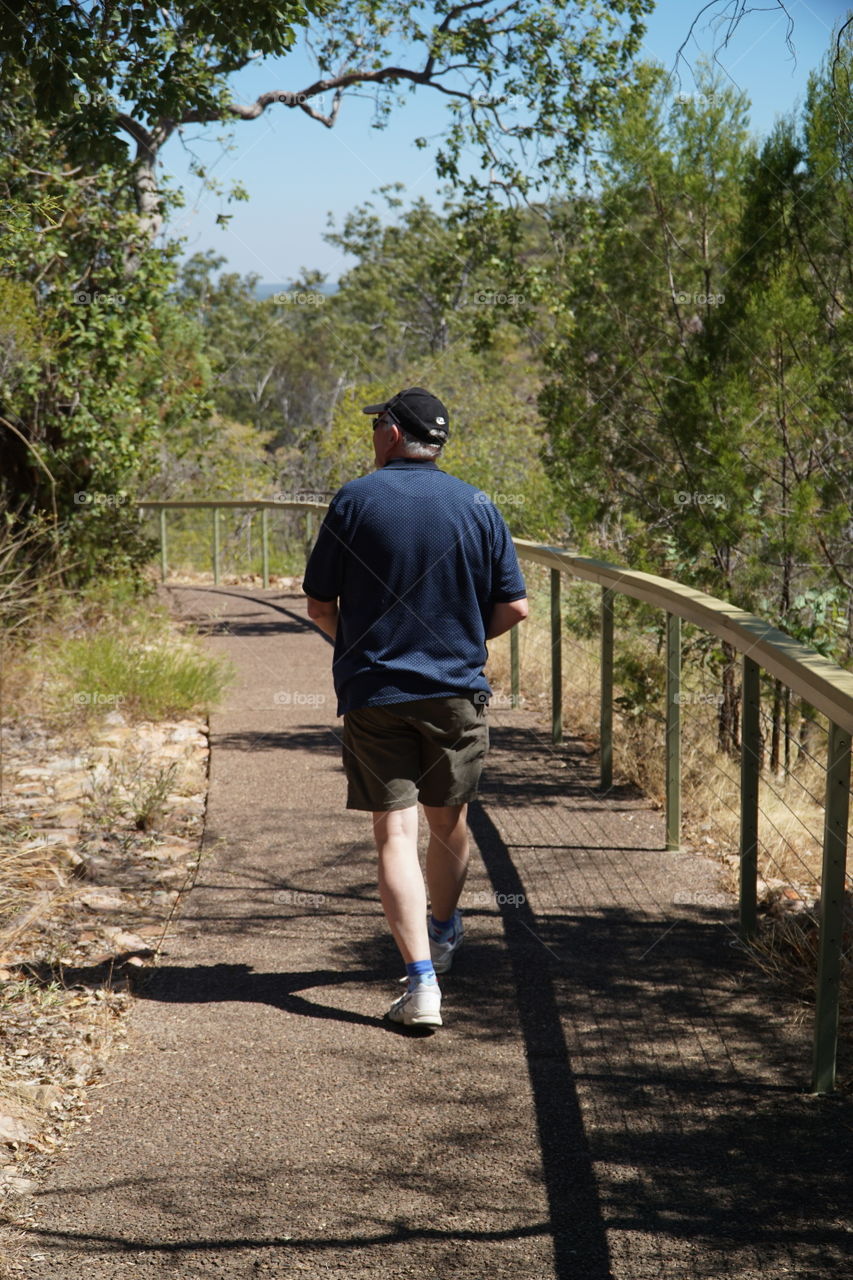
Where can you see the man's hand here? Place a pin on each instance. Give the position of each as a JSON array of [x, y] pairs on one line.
[[505, 616], [325, 614]]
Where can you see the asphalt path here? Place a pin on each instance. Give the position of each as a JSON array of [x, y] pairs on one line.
[[615, 1094]]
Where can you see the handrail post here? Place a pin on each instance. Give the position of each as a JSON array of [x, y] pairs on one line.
[[556, 659], [673, 731], [606, 713], [514, 668], [164, 562], [309, 532], [750, 748], [831, 909], [265, 546], [216, 546]]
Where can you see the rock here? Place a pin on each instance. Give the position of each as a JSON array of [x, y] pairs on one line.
[[53, 836], [184, 733], [70, 787], [43, 1095], [69, 816], [164, 897], [175, 851], [127, 942], [82, 1065], [67, 764], [115, 718], [70, 856], [104, 899], [11, 1180], [171, 875], [116, 738], [13, 1130]]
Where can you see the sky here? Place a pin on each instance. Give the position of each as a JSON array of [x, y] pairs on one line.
[[298, 173]]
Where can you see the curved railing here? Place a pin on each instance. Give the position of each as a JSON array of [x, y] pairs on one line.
[[820, 682]]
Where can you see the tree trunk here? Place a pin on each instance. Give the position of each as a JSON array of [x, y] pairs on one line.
[[728, 720], [807, 736], [149, 202], [775, 731]]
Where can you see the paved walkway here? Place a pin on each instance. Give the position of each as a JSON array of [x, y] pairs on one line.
[[610, 1098]]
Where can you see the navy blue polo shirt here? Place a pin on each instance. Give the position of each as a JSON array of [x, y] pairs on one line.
[[416, 558]]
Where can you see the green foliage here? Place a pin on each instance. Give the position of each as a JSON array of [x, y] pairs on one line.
[[535, 75], [699, 400], [643, 268], [97, 363], [87, 64]]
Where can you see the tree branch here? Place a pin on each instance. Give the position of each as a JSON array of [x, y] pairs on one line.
[[288, 98]]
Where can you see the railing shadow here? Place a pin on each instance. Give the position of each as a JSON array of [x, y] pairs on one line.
[[726, 1173]]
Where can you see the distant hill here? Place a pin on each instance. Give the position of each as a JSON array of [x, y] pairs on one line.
[[265, 290]]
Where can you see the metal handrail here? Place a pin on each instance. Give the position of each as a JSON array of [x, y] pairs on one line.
[[816, 679], [819, 681]]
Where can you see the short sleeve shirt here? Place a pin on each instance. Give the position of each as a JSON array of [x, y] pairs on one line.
[[416, 559]]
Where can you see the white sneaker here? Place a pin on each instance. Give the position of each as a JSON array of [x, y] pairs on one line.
[[418, 1007], [442, 951]]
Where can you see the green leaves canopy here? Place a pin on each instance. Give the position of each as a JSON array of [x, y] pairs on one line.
[[526, 83]]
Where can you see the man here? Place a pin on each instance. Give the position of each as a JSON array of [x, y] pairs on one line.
[[412, 572]]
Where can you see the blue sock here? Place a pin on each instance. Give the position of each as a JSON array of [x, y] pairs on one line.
[[440, 926], [420, 972]]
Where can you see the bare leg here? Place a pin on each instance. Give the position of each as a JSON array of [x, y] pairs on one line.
[[447, 857], [401, 883]]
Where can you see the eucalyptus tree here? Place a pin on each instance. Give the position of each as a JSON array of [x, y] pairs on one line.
[[525, 84]]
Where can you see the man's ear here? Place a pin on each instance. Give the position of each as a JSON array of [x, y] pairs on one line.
[[393, 438]]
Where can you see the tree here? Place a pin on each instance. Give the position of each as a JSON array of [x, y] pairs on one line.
[[643, 273], [526, 84], [97, 366], [701, 402]]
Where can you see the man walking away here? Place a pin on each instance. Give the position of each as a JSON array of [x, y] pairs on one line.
[[412, 572]]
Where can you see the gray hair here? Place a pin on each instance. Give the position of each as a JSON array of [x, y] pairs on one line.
[[416, 448]]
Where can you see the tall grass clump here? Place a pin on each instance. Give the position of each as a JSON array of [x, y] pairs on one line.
[[79, 655], [144, 680]]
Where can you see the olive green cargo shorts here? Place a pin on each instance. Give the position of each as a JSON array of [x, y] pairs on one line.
[[431, 750]]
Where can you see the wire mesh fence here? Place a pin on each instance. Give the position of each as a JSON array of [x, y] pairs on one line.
[[793, 748]]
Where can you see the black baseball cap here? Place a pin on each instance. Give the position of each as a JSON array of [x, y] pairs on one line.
[[418, 412]]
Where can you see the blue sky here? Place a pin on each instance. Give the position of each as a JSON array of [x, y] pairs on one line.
[[298, 172]]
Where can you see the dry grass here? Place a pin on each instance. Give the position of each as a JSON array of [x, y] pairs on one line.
[[29, 881]]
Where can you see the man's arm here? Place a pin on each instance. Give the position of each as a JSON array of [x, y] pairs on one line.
[[325, 614], [505, 616]]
